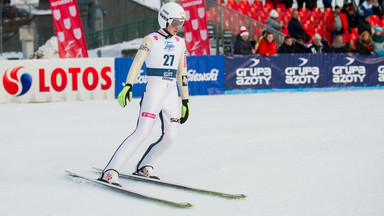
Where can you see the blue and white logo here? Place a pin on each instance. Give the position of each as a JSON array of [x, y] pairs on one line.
[[169, 46]]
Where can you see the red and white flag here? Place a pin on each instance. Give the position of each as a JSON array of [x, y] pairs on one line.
[[195, 27], [69, 31]]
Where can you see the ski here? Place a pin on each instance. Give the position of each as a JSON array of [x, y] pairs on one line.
[[131, 192], [179, 186]]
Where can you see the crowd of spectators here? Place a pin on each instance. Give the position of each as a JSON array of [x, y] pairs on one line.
[[340, 24]]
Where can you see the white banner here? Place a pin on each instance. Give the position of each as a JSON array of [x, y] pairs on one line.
[[56, 80]]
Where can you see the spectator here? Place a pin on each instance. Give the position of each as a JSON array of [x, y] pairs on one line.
[[345, 7], [288, 3], [364, 43], [242, 44], [267, 45], [311, 4], [376, 8], [337, 23], [300, 3], [351, 17], [365, 10], [325, 43], [378, 42], [327, 3], [338, 46], [263, 34], [287, 46], [381, 2], [316, 46], [364, 25], [295, 29], [300, 46], [350, 47], [273, 24], [253, 43], [273, 2]]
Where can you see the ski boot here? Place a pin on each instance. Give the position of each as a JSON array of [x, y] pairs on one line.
[[111, 177], [146, 171]]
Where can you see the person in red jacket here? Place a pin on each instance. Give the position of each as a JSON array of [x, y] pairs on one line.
[[267, 46], [337, 23]]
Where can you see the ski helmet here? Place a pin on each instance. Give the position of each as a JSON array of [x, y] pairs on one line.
[[171, 13]]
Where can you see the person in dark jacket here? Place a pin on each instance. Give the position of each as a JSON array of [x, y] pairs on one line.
[[376, 8], [349, 46], [300, 46], [351, 17], [287, 46], [364, 44], [288, 3], [242, 45], [317, 46], [327, 3], [338, 46], [295, 28], [364, 25]]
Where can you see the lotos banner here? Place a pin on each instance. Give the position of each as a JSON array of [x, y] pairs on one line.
[[195, 27], [69, 31], [56, 80]]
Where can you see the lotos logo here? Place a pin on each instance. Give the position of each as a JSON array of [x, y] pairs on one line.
[[89, 78], [16, 84]]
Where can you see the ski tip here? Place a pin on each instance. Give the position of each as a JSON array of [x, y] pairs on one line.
[[239, 196], [70, 173], [185, 205]]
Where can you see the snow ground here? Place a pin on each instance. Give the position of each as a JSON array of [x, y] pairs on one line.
[[293, 154]]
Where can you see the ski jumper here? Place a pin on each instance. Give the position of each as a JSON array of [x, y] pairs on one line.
[[165, 58]]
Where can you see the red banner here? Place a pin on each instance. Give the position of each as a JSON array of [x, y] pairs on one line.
[[69, 31], [195, 27]]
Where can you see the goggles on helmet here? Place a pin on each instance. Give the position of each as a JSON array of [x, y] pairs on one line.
[[176, 22]]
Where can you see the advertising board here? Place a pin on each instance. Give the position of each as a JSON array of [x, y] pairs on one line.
[[56, 80], [299, 71]]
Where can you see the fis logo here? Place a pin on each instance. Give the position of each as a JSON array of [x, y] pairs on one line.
[[169, 46], [17, 83], [348, 73], [302, 74], [253, 75]]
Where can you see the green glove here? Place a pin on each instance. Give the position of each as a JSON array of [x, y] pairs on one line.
[[124, 94], [184, 111]]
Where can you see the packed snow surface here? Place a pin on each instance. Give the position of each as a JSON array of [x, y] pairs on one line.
[[293, 154]]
